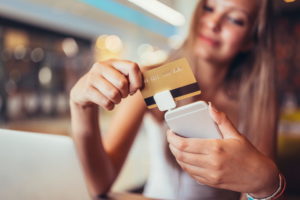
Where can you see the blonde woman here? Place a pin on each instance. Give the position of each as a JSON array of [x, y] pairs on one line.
[[230, 49]]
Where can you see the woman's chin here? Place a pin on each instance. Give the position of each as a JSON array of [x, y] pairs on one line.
[[205, 54]]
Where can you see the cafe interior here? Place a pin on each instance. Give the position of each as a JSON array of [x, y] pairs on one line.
[[47, 45]]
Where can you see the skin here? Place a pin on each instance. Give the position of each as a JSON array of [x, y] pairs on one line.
[[223, 29], [104, 85], [218, 163]]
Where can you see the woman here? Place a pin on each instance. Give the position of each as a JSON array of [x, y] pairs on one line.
[[229, 47]]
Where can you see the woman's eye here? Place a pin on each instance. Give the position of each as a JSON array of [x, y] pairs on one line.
[[208, 8], [238, 22]]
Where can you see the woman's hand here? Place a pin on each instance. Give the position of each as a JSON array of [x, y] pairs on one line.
[[231, 163], [107, 83]]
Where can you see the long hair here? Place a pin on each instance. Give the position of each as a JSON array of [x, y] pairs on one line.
[[250, 78]]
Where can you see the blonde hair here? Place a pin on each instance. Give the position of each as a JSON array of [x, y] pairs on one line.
[[251, 77]]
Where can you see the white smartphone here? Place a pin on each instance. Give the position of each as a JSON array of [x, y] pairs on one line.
[[192, 121]]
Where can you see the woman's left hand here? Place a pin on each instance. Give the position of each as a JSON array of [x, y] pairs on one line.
[[231, 163]]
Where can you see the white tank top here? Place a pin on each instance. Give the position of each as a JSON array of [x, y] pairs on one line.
[[168, 182]]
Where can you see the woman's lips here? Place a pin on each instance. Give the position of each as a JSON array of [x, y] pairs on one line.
[[209, 40]]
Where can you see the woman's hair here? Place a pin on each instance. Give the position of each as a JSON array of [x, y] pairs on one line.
[[250, 78]]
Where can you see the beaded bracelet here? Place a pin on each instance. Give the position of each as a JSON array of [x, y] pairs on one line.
[[278, 193]]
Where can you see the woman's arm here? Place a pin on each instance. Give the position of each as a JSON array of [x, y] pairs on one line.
[[104, 85], [123, 129], [98, 168]]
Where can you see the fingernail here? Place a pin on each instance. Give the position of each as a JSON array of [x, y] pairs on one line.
[[213, 108]]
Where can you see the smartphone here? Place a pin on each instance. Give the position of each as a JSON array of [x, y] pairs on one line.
[[192, 121]]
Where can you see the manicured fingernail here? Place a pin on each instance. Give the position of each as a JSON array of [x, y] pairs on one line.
[[213, 108]]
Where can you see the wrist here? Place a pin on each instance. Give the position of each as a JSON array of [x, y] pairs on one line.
[[278, 194], [84, 119], [269, 183]]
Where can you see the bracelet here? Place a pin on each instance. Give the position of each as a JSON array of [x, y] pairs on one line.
[[278, 193]]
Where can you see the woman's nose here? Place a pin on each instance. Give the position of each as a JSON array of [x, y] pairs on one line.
[[213, 22]]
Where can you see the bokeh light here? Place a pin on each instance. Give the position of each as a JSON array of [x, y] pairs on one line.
[[70, 47], [45, 75]]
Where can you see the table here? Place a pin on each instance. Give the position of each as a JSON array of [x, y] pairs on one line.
[[126, 196]]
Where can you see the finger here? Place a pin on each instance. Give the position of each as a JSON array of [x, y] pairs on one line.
[[199, 160], [211, 181], [201, 180], [193, 170], [203, 175], [133, 72], [192, 145], [107, 89], [96, 97], [225, 125], [117, 79]]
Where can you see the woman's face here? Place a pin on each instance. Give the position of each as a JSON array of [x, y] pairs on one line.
[[223, 29]]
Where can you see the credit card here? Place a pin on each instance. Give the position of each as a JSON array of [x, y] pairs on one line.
[[175, 76]]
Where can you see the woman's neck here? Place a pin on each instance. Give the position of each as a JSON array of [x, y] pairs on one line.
[[210, 75]]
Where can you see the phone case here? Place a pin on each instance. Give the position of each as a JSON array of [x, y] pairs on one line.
[[192, 121]]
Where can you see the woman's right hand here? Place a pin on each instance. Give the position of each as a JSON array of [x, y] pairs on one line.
[[106, 83]]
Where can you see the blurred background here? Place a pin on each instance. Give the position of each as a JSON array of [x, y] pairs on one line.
[[46, 45]]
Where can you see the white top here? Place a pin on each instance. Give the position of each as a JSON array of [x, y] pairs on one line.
[[168, 182]]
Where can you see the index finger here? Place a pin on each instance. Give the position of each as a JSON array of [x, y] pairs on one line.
[[191, 145], [133, 72]]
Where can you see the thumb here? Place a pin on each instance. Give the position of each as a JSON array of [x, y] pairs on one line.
[[225, 125]]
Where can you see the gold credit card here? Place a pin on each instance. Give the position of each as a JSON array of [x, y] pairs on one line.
[[175, 76]]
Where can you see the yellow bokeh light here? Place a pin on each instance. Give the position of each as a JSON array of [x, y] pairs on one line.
[[289, 1], [113, 43], [107, 47], [100, 42]]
